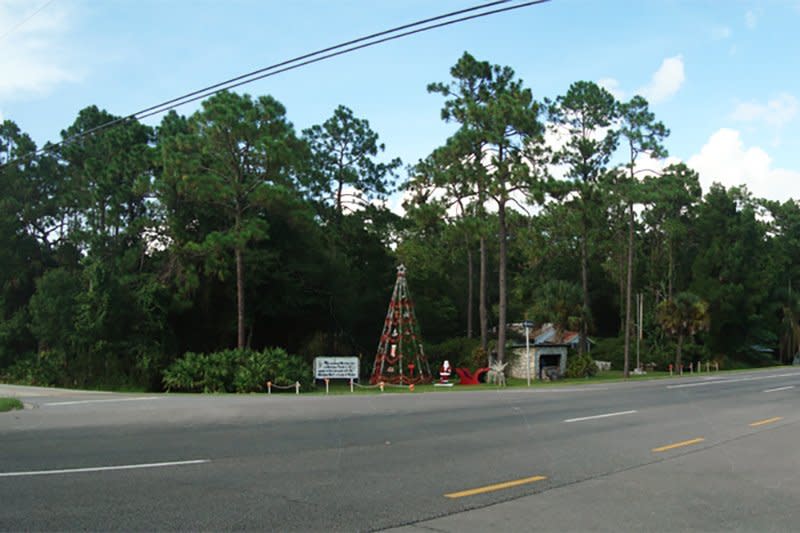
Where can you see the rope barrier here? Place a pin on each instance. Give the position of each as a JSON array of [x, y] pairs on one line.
[[296, 387]]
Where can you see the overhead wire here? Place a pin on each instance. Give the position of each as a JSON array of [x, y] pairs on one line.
[[295, 63], [26, 19]]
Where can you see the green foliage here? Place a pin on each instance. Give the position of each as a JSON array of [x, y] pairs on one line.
[[44, 370], [459, 351], [609, 349], [236, 371], [131, 246], [8, 404], [581, 366], [558, 302]]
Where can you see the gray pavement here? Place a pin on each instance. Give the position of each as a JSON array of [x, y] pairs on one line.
[[375, 462]]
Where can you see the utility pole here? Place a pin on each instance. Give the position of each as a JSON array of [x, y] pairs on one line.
[[639, 313]]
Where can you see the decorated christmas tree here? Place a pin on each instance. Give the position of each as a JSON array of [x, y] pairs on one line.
[[401, 358]]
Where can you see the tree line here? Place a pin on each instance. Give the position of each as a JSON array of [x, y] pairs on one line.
[[125, 248]]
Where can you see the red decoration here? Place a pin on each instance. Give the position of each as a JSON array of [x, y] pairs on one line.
[[400, 342], [466, 377]]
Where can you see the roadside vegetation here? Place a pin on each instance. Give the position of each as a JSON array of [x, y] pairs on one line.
[[161, 258], [9, 404]]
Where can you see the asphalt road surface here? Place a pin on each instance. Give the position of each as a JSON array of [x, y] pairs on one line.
[[717, 452]]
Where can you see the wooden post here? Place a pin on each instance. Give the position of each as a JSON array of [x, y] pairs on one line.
[[351, 384], [327, 383]]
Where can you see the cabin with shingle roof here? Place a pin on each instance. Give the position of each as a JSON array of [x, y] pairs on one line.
[[549, 348]]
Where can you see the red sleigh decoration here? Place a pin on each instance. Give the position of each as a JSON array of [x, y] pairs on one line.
[[466, 377]]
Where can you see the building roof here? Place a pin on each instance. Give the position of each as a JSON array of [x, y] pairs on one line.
[[545, 335]]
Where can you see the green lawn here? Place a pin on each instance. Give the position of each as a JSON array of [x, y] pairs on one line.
[[9, 404], [342, 387]]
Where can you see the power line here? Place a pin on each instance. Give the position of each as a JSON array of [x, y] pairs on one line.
[[297, 62], [26, 19]]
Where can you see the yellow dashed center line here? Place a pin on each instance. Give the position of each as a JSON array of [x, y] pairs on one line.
[[679, 444], [497, 486], [766, 421]]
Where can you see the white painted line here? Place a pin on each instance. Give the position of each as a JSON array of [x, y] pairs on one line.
[[79, 402], [103, 468], [736, 380], [701, 384], [620, 413], [780, 389]]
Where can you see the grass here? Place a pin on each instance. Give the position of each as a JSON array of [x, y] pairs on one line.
[[9, 404], [342, 387]]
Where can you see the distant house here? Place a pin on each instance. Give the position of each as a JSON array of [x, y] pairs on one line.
[[548, 348]]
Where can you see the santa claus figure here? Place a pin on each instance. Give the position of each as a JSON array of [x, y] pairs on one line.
[[444, 372]]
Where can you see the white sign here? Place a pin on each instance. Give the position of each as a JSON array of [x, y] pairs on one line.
[[336, 367]]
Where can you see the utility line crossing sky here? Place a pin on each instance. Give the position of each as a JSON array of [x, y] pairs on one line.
[[722, 76]]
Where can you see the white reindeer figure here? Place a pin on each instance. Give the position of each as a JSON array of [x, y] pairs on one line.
[[496, 374]]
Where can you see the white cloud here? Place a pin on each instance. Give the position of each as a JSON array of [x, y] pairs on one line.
[[725, 159], [666, 81], [612, 85], [33, 58], [751, 19], [720, 33], [776, 112]]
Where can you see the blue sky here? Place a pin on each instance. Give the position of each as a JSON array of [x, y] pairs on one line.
[[723, 75]]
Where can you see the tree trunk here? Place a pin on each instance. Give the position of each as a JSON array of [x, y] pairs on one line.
[[671, 268], [585, 286], [678, 354], [240, 343], [501, 318], [629, 286], [339, 200], [484, 318], [470, 275], [621, 284]]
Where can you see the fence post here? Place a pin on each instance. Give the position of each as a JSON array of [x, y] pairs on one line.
[[269, 387], [297, 387]]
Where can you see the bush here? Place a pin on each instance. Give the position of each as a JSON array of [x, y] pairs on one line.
[[43, 371], [458, 350], [581, 366], [611, 349], [236, 371]]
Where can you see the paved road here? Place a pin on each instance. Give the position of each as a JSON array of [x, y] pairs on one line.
[[660, 455]]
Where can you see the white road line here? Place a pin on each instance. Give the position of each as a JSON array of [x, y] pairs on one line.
[[701, 384], [599, 416], [78, 402], [779, 389], [103, 468], [751, 378]]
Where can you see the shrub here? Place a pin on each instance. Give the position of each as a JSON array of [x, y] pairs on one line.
[[44, 370], [236, 371], [458, 350], [611, 349], [581, 366]]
